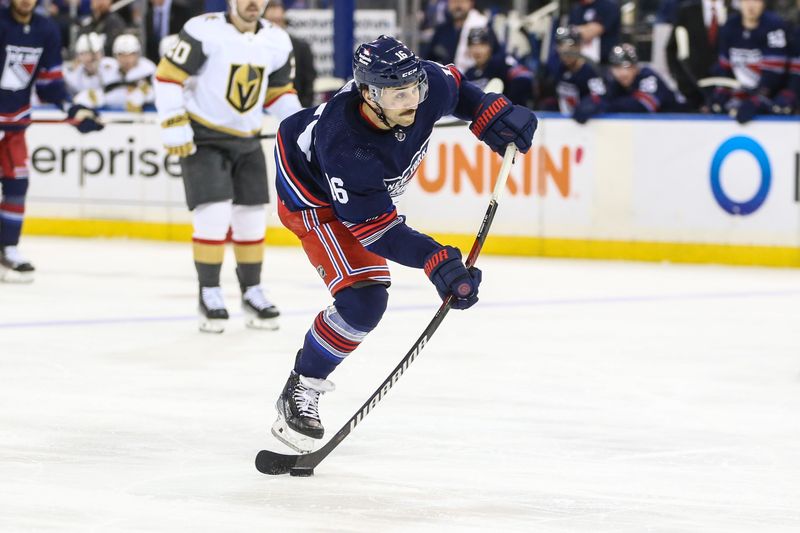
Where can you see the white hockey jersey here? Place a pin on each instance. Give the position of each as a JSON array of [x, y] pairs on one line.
[[131, 89], [235, 75], [77, 79]]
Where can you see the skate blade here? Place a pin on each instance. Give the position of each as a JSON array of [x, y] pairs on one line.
[[8, 275], [211, 325], [294, 440], [269, 324]]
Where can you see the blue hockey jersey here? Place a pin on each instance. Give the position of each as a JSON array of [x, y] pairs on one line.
[[647, 94], [30, 54], [517, 79], [573, 87], [332, 155], [605, 13], [756, 58]]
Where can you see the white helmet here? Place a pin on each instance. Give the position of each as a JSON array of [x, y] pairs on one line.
[[126, 44], [90, 42]]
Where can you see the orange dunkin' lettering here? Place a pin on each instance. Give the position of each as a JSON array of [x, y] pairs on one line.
[[477, 172]]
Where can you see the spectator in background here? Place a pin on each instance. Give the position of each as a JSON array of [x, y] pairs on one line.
[[166, 17], [88, 74], [598, 22], [517, 80], [305, 73], [104, 22], [754, 51], [579, 86], [702, 20], [794, 69], [449, 41], [59, 11], [131, 85], [636, 89]]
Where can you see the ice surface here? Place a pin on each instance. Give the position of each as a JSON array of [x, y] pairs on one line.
[[577, 396]]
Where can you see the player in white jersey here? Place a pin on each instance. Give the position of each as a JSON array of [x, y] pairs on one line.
[[240, 65], [130, 85], [89, 73]]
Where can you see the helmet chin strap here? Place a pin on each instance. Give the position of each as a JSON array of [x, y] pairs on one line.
[[381, 114]]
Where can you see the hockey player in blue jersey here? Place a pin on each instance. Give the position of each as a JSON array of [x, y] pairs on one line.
[[517, 79], [753, 49], [634, 88], [578, 84], [339, 166], [30, 55]]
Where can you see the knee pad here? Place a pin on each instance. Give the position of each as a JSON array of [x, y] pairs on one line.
[[211, 221], [363, 307], [249, 222]]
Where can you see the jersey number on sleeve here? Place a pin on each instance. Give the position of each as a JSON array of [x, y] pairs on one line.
[[337, 191], [180, 52]]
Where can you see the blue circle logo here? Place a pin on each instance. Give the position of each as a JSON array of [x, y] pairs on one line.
[[748, 145]]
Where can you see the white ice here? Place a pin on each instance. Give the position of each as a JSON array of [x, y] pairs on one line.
[[577, 396]]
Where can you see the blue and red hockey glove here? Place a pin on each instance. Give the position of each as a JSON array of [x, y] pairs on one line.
[[86, 119], [747, 110], [498, 122], [449, 275]]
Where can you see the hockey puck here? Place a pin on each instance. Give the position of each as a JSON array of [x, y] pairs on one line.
[[301, 472]]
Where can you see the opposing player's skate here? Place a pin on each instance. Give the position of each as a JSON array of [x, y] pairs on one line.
[[14, 268], [213, 314], [298, 424], [259, 312]]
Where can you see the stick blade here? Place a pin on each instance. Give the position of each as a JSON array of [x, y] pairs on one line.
[[275, 464]]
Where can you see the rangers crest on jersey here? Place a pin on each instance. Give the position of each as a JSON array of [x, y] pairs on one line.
[[244, 86], [20, 65]]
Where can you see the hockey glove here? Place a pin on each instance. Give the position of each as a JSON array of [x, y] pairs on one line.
[[450, 276], [747, 110], [177, 136], [584, 111], [86, 119], [498, 123]]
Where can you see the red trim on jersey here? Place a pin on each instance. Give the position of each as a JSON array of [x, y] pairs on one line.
[[167, 80], [371, 227], [48, 75], [292, 177], [456, 74], [368, 120], [649, 101], [269, 103]]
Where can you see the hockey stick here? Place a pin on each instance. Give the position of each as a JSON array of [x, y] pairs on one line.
[[268, 462]]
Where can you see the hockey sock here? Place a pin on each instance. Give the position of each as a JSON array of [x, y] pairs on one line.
[[211, 222], [339, 329], [248, 224], [12, 210]]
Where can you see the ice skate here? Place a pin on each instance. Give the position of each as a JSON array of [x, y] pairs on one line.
[[14, 268], [213, 314], [259, 312], [298, 424]]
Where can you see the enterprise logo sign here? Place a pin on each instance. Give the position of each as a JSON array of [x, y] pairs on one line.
[[753, 148]]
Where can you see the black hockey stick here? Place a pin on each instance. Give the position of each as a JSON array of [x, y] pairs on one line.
[[273, 463]]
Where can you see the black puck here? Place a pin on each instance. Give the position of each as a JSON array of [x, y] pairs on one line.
[[301, 472]]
